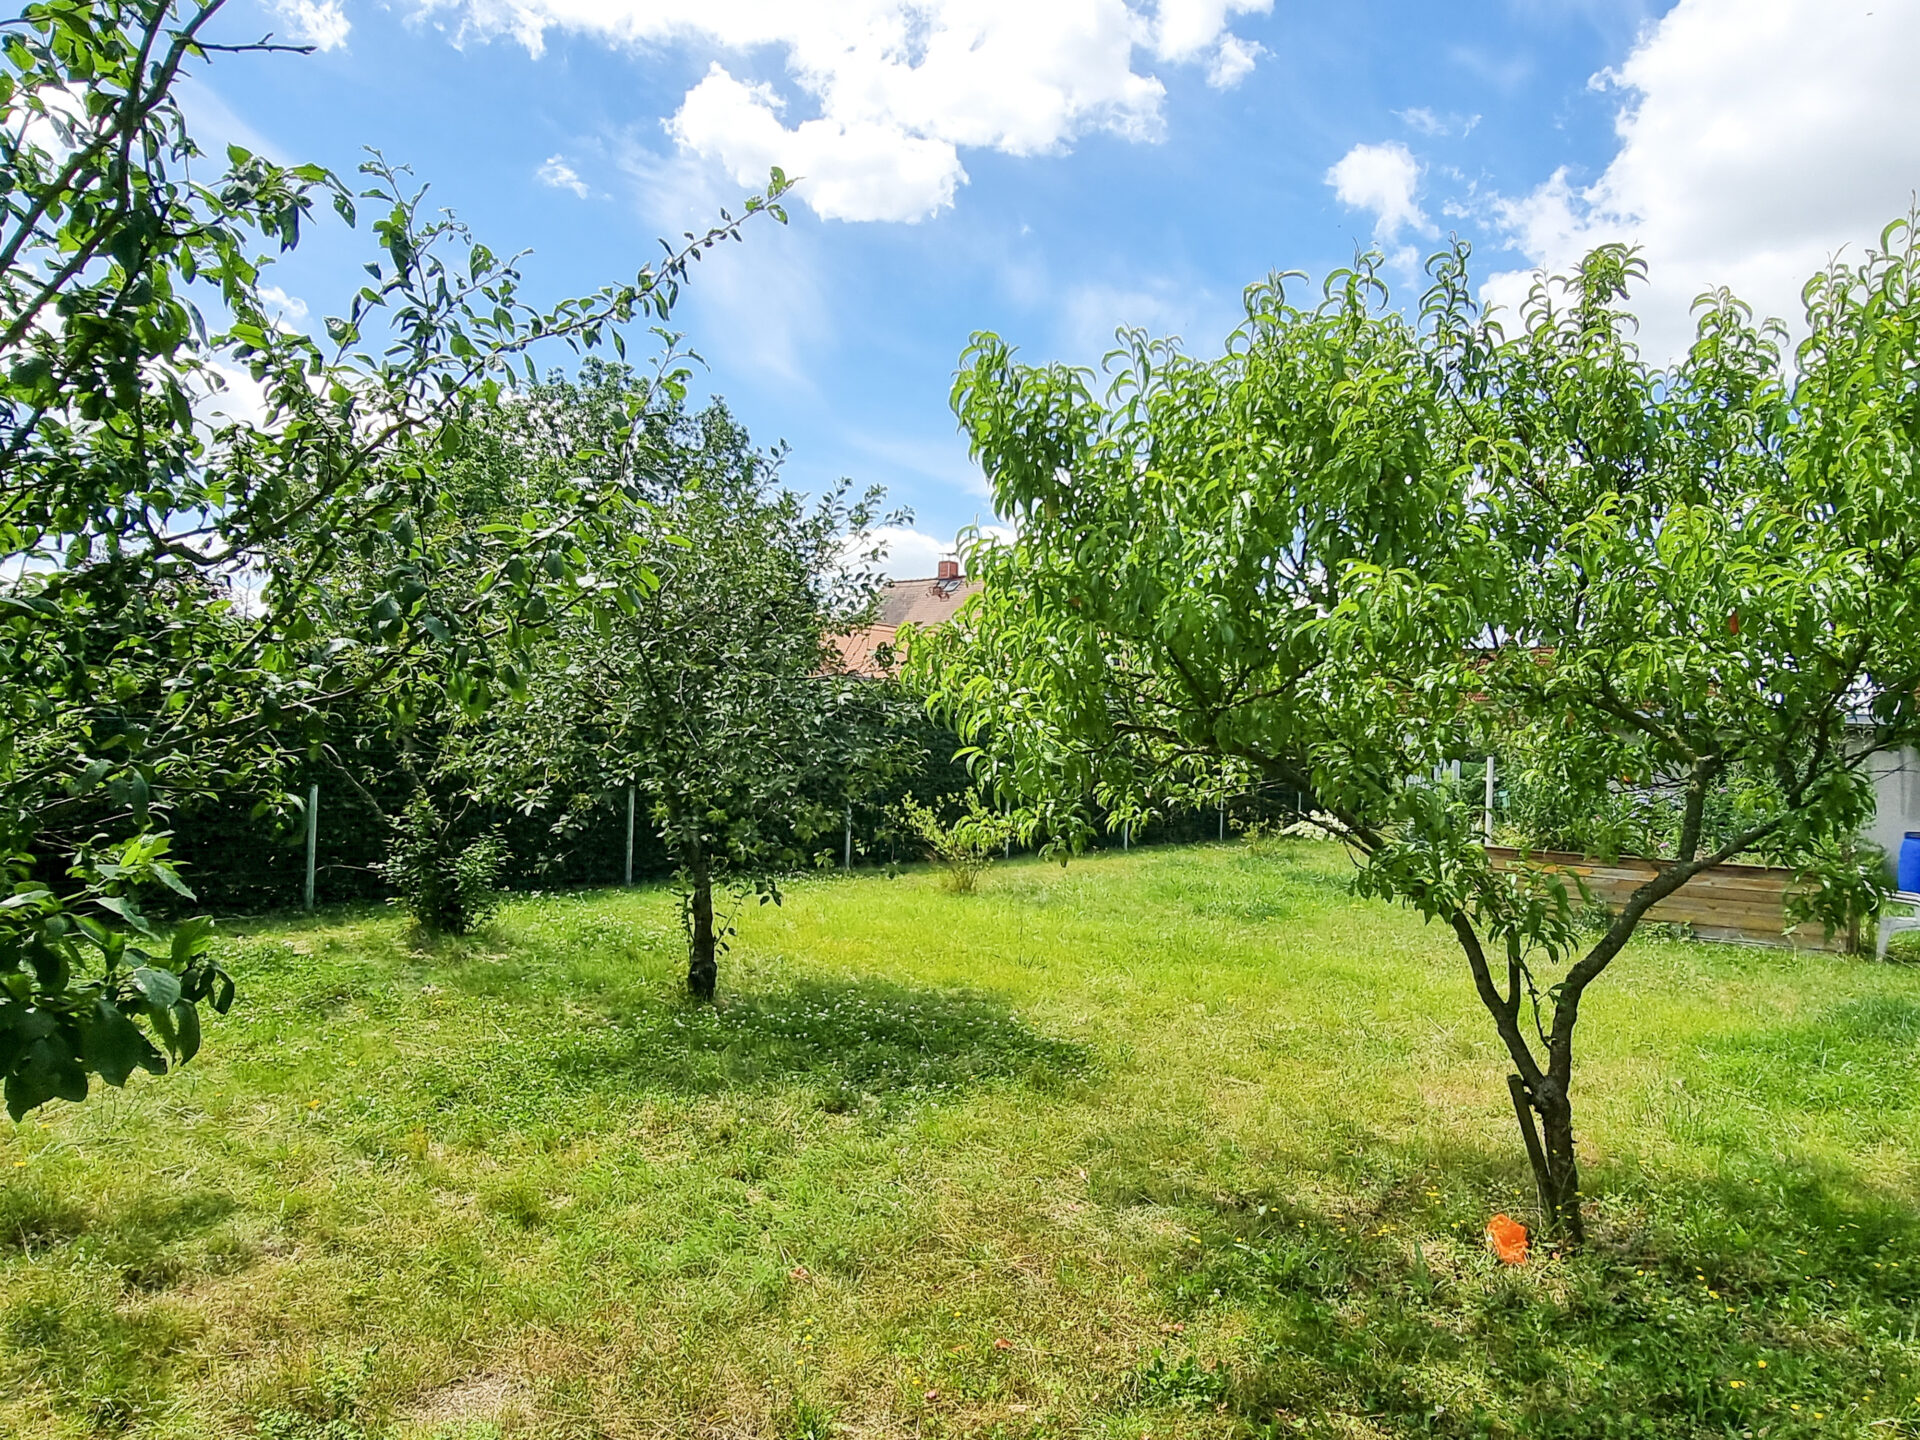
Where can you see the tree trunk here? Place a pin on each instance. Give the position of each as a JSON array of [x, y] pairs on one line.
[[703, 969], [1556, 1121], [1556, 1176], [1556, 1172]]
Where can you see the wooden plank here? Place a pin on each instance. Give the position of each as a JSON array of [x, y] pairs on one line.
[[1710, 881], [1741, 895], [1738, 903], [1743, 904], [1764, 903], [1715, 915], [1716, 881], [1563, 858], [1732, 904], [1697, 914]]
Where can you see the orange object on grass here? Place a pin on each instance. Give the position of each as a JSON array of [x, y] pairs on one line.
[[1508, 1238]]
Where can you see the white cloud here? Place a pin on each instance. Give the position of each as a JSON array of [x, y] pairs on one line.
[[858, 171], [235, 396], [1185, 30], [763, 307], [1422, 120], [911, 553], [1233, 61], [1759, 138], [1386, 180], [63, 128], [319, 23], [286, 311], [900, 87], [555, 171], [1092, 311], [914, 554]]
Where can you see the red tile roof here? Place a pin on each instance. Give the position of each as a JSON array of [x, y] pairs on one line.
[[923, 602], [902, 602]]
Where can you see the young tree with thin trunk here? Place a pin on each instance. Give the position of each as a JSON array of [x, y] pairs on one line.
[[1359, 545], [712, 690]]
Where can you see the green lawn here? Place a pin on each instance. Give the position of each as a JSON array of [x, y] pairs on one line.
[[1179, 1143]]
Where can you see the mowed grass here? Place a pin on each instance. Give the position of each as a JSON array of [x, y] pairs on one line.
[[1187, 1142]]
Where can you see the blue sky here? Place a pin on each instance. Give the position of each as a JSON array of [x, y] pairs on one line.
[[1050, 169]]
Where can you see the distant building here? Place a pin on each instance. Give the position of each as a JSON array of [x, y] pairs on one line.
[[1896, 793], [927, 602]]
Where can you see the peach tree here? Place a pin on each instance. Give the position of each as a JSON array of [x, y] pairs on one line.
[[1361, 543]]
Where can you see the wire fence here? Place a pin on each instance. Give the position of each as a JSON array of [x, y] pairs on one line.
[[239, 860]]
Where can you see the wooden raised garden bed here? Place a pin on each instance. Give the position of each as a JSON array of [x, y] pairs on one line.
[[1745, 904]]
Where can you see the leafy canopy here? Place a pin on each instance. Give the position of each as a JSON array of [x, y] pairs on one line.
[[710, 688], [161, 633], [1359, 544]]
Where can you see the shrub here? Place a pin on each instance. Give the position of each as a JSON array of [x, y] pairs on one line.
[[966, 846], [447, 886], [1264, 835]]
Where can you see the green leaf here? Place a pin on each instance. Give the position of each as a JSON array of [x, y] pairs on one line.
[[169, 877], [191, 937], [186, 1020], [114, 1047], [45, 1071], [160, 987]]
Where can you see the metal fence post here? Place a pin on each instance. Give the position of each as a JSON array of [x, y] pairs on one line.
[[1126, 836], [313, 836], [1489, 811], [630, 804], [1223, 820], [848, 861]]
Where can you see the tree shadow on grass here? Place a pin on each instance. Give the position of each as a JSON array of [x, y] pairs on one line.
[[868, 1036], [854, 1043], [128, 1232], [96, 1356], [77, 1326], [1710, 1304]]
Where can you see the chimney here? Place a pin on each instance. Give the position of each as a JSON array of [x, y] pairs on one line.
[[949, 570]]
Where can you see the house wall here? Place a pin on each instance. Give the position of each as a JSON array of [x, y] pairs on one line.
[[1896, 784]]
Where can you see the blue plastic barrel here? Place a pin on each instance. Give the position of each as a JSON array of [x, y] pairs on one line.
[[1910, 862]]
